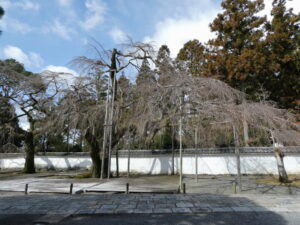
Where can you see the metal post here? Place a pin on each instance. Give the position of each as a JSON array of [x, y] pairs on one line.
[[127, 188], [71, 188], [183, 188]]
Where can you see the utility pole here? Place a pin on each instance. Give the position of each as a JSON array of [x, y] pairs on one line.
[[173, 150], [104, 133], [196, 154], [180, 141], [111, 123]]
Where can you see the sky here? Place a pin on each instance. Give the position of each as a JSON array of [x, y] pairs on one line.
[[48, 34]]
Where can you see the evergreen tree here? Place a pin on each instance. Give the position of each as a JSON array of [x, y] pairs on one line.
[[9, 126], [145, 74], [235, 53], [164, 64], [1, 14], [163, 55], [193, 53], [283, 42]]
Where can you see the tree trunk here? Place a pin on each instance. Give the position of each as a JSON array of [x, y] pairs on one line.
[[283, 177], [95, 156], [29, 149], [96, 163]]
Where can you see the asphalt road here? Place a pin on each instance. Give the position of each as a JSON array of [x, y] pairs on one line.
[[220, 218]]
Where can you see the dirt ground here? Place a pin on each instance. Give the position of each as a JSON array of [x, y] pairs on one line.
[[59, 181]]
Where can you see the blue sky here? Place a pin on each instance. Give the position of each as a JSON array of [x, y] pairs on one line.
[[47, 34]]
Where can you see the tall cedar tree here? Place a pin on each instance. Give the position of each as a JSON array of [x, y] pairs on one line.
[[164, 64], [145, 74], [193, 53], [283, 42], [235, 54]]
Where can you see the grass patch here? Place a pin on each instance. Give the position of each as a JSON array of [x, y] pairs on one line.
[[83, 175], [294, 181], [73, 176], [11, 173]]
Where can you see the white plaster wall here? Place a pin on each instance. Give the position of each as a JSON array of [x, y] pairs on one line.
[[264, 164]]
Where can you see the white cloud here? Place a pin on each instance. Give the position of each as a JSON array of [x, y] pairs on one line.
[[24, 4], [65, 3], [28, 5], [190, 20], [174, 32], [118, 36], [16, 25], [60, 29], [30, 59], [61, 69], [295, 4], [96, 10], [66, 74], [67, 10]]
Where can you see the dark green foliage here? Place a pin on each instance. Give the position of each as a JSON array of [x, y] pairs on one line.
[[193, 53], [145, 74], [235, 53], [163, 140], [8, 126], [1, 14], [283, 42], [256, 56]]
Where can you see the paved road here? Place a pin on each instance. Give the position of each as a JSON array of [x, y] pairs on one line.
[[221, 218], [144, 208]]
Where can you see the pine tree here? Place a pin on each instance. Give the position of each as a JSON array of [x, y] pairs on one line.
[[193, 54], [283, 42], [164, 64], [145, 74]]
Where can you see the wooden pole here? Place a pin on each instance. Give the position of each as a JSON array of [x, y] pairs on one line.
[[128, 161], [238, 161], [111, 124], [196, 154], [180, 143], [117, 163], [104, 134], [26, 189], [173, 150], [71, 188], [127, 188]]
